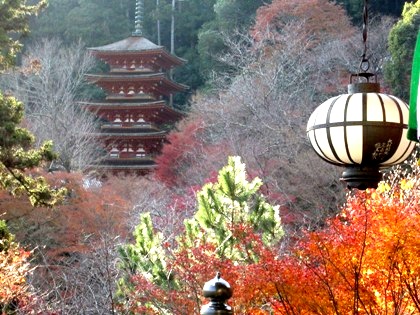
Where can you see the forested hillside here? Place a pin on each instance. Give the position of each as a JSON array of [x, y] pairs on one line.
[[198, 26], [238, 189]]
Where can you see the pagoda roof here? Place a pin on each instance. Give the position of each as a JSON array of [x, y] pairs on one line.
[[135, 45], [132, 43]]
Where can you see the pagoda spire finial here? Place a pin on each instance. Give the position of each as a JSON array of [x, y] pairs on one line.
[[138, 21]]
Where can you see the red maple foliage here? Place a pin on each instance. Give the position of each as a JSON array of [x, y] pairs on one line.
[[179, 152], [315, 19], [67, 239], [68, 228], [189, 158]]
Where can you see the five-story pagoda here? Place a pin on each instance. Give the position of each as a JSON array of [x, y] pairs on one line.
[[137, 109]]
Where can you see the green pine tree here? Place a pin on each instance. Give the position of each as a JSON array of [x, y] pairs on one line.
[[231, 201], [17, 156], [145, 256], [16, 153]]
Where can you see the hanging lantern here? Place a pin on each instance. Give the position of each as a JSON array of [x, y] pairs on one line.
[[363, 131]]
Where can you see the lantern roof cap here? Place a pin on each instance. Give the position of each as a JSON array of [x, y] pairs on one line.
[[365, 86]]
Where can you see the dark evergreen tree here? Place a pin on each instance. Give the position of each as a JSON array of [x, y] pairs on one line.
[[98, 22], [230, 16], [384, 7], [14, 23], [191, 16], [6, 238], [402, 40], [95, 22]]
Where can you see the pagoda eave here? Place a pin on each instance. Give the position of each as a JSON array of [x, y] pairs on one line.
[[140, 169], [156, 83], [125, 167], [138, 163], [134, 46], [131, 136], [158, 108], [126, 104], [158, 57]]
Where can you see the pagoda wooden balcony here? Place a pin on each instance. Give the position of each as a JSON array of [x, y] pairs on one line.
[[129, 96], [129, 127]]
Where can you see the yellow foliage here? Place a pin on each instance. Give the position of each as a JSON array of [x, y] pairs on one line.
[[406, 184]]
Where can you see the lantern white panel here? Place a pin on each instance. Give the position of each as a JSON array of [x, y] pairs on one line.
[[311, 136], [321, 145], [355, 108], [321, 113], [338, 142], [338, 110], [374, 107], [405, 110], [311, 120], [392, 109], [355, 143], [322, 140]]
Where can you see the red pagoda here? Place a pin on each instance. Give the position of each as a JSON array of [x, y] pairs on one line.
[[137, 110]]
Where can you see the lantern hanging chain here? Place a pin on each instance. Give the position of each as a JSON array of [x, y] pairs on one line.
[[364, 64]]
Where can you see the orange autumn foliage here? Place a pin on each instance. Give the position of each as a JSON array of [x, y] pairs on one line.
[[364, 261]]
